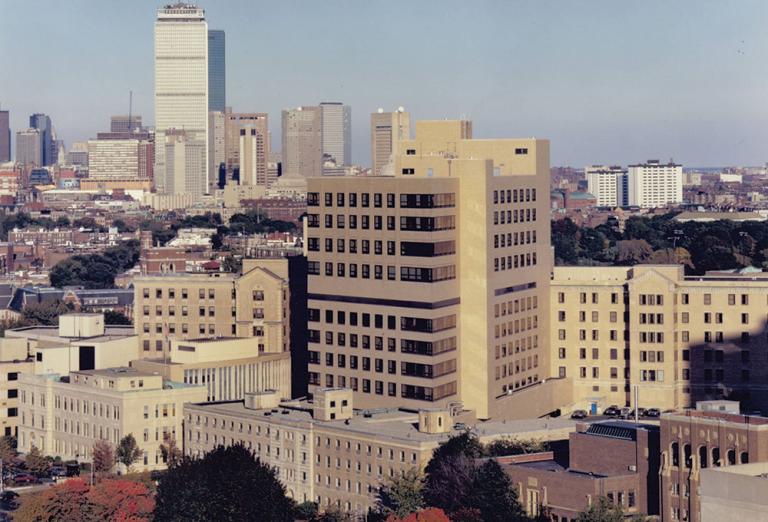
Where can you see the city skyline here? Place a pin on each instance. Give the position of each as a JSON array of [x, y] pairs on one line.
[[513, 71]]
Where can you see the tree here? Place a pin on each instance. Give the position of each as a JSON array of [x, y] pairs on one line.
[[117, 500], [45, 314], [334, 514], [128, 451], [95, 270], [401, 495], [116, 318], [633, 251], [103, 457], [7, 449], [305, 511], [37, 464], [601, 511], [170, 451], [494, 495], [512, 446], [424, 515], [227, 484]]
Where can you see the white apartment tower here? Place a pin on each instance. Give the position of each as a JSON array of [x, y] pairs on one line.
[[252, 147], [337, 132], [607, 184], [388, 129], [181, 89], [654, 184]]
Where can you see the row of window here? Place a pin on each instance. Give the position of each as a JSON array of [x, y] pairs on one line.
[[515, 367], [514, 238], [407, 391], [514, 261], [257, 295], [406, 200], [507, 217], [410, 369], [513, 195], [407, 248]]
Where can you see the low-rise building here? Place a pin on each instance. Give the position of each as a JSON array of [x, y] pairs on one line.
[[735, 492], [326, 452], [64, 415], [228, 367], [14, 361], [618, 460], [693, 442]]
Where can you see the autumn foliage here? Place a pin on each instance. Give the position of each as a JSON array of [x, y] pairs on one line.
[[115, 500], [425, 515]]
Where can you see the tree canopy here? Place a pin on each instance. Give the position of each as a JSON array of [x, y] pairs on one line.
[[700, 247], [95, 270], [227, 484]]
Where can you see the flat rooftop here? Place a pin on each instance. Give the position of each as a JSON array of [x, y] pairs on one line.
[[121, 371], [110, 333]]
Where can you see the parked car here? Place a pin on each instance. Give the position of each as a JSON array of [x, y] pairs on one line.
[[24, 478], [58, 471], [8, 500], [640, 413], [625, 413], [652, 412], [611, 411], [579, 414]]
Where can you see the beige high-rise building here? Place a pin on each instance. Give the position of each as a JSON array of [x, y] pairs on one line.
[[302, 142], [678, 339], [234, 122], [64, 415], [388, 129], [431, 286], [184, 163], [216, 146], [253, 167], [195, 306]]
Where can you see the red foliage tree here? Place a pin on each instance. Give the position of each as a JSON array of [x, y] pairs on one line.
[[424, 515], [121, 500]]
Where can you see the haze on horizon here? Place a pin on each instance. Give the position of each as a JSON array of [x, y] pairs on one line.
[[605, 81]]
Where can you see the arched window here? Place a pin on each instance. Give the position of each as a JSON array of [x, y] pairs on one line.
[[744, 458], [675, 454], [731, 457], [687, 455], [716, 457], [703, 457]]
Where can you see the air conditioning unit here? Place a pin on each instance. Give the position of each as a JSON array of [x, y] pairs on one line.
[[632, 467]]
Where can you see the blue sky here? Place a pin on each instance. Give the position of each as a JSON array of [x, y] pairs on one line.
[[605, 80]]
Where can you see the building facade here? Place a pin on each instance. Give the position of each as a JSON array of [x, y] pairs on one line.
[[48, 147], [113, 159], [608, 184], [234, 122], [692, 442], [388, 129], [217, 71], [677, 339], [5, 137], [192, 306], [183, 173], [409, 274], [29, 148], [181, 93], [216, 147], [65, 415], [253, 168], [734, 492], [302, 142], [654, 184], [337, 132]]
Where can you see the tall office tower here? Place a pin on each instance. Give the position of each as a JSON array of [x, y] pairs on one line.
[[388, 129], [233, 122], [183, 169], [5, 137], [122, 124], [216, 146], [654, 184], [29, 148], [120, 160], [253, 170], [430, 287], [337, 132], [302, 142], [181, 91], [607, 184], [42, 123], [217, 71]]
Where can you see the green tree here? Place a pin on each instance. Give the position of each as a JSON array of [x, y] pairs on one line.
[[45, 314], [36, 463], [513, 446], [305, 511], [170, 451], [7, 449], [402, 494], [494, 495], [128, 451], [601, 511], [227, 484], [116, 318]]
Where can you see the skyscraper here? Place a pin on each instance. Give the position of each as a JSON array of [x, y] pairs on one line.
[[234, 121], [429, 287], [42, 123], [185, 167], [181, 93], [216, 146], [387, 130], [217, 79], [29, 148], [123, 125], [302, 142], [337, 132], [5, 137], [253, 168]]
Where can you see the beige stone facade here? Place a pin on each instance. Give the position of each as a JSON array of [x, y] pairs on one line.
[[194, 306], [65, 415], [429, 287], [325, 452], [678, 339], [14, 362]]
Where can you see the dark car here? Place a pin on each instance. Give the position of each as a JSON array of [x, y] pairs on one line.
[[8, 500], [24, 478], [611, 411], [652, 412], [579, 414]]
